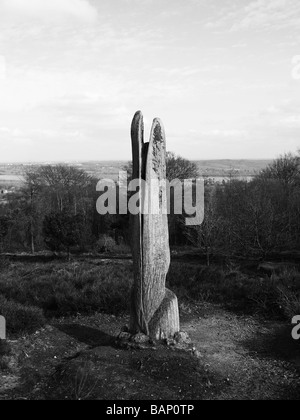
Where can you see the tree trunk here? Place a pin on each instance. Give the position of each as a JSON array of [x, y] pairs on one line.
[[154, 308]]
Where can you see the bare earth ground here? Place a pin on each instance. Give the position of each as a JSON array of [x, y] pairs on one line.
[[239, 357]]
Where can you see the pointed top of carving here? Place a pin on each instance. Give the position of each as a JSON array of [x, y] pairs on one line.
[[138, 117], [137, 138], [138, 114], [158, 131], [137, 127]]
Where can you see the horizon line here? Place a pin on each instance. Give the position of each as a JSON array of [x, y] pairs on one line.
[[124, 160]]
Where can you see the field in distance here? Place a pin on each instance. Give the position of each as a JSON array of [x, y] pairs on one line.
[[12, 174]]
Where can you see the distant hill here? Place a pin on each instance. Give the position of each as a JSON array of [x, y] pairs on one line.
[[221, 168]]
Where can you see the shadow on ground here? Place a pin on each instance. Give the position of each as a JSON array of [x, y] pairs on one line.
[[237, 358], [277, 344], [106, 372], [110, 374], [90, 336]]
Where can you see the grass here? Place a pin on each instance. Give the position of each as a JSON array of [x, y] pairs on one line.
[[288, 289], [83, 387], [21, 318], [30, 293], [61, 289]]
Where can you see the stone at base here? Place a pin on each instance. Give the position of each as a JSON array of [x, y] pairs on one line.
[[125, 329], [165, 323], [140, 338], [124, 336], [182, 338], [197, 354]]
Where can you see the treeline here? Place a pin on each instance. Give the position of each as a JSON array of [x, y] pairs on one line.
[[253, 219], [56, 209]]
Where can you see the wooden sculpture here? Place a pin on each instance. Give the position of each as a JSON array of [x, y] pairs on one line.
[[154, 309]]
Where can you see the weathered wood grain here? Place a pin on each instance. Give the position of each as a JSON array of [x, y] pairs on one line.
[[154, 309]]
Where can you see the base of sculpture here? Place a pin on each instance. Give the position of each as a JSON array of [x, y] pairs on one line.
[[165, 323]]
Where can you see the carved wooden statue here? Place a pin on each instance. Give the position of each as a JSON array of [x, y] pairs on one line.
[[154, 309]]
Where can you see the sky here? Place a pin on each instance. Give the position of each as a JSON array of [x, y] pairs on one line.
[[223, 75]]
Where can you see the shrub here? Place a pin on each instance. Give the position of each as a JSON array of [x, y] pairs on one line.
[[288, 291], [5, 348], [289, 302], [68, 289], [278, 296], [4, 263], [105, 244], [21, 318], [63, 289], [5, 352], [63, 230]]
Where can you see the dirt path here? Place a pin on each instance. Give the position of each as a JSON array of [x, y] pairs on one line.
[[237, 357], [259, 360]]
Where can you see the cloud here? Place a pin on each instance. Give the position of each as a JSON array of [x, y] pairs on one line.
[[285, 115], [233, 133], [267, 13], [49, 10], [189, 71], [260, 15]]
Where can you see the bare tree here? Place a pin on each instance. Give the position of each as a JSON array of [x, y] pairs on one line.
[[207, 236]]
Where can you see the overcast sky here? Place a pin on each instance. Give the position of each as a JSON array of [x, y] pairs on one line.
[[218, 73]]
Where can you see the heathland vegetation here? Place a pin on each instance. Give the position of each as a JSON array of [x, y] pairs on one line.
[[54, 218], [66, 274]]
